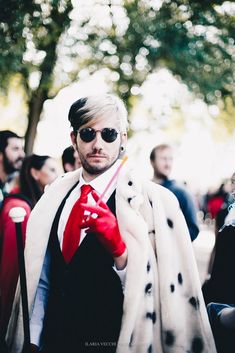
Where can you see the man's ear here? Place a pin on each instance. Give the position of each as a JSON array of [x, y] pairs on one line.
[[1, 157], [35, 173], [124, 140], [68, 167], [73, 139]]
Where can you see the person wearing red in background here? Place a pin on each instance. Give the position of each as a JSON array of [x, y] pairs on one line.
[[216, 200], [36, 172], [109, 276], [9, 260], [11, 158]]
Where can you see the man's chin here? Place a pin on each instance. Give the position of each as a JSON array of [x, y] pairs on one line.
[[162, 176], [96, 169], [10, 170], [17, 166]]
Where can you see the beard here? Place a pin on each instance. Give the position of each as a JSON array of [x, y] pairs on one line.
[[10, 167], [96, 169], [160, 175]]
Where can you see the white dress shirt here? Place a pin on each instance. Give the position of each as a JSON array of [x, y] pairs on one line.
[[98, 184]]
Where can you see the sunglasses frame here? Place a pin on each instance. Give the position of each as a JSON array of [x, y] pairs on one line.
[[101, 132]]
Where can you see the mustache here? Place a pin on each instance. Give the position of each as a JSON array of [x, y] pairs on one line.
[[20, 159], [96, 154]]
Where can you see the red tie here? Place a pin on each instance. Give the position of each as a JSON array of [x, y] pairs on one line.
[[72, 230]]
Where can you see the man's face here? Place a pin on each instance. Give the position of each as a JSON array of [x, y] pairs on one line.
[[98, 155], [77, 163], [13, 155], [162, 164]]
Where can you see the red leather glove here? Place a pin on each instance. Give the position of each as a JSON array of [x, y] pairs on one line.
[[105, 225]]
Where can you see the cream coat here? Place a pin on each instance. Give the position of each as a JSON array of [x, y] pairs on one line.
[[163, 305]]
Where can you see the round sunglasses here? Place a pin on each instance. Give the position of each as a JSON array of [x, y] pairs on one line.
[[88, 134]]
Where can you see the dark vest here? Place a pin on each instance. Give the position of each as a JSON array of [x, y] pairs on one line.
[[85, 301]]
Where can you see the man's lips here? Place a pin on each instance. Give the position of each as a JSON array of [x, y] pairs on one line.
[[96, 156], [18, 161]]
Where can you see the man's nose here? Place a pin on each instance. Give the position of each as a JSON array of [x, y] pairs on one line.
[[22, 153], [98, 141]]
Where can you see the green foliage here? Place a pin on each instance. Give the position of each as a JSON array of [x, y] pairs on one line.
[[194, 39], [227, 115], [29, 32], [130, 38], [29, 35]]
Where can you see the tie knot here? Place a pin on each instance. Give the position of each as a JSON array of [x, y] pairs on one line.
[[86, 189]]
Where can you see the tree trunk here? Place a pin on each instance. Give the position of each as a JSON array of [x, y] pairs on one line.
[[35, 109]]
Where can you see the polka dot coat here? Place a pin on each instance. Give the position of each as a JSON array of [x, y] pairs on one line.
[[163, 304], [163, 308]]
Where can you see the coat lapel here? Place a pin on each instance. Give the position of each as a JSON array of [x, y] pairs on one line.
[[37, 234]]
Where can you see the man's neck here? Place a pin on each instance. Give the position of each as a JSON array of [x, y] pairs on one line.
[[89, 177], [159, 179]]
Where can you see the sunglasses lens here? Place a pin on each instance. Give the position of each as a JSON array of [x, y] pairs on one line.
[[109, 135], [87, 134]]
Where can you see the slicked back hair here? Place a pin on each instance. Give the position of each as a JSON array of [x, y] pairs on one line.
[[84, 110]]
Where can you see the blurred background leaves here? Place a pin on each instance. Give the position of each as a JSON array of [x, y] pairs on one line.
[[47, 44]]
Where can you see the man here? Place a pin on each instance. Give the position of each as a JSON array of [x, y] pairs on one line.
[[11, 157], [135, 231], [161, 159], [70, 159]]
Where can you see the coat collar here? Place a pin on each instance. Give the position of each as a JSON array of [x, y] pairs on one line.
[[38, 232]]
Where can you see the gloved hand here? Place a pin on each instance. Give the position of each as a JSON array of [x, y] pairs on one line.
[[105, 225]]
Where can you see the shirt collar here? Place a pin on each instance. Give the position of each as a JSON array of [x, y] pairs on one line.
[[101, 181]]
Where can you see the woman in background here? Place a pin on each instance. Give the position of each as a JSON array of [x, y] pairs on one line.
[[37, 172]]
